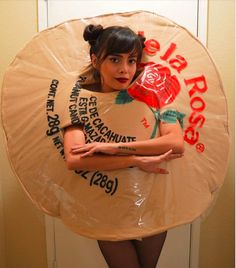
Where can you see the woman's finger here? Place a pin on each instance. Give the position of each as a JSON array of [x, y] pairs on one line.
[[168, 153], [164, 156], [174, 156], [74, 147], [79, 150], [87, 154]]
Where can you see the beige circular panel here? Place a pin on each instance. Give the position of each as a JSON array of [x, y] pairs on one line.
[[43, 92]]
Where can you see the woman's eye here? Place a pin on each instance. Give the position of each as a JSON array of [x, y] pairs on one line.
[[133, 61], [114, 59]]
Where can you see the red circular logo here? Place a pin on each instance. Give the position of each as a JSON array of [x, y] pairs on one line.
[[200, 147], [155, 86]]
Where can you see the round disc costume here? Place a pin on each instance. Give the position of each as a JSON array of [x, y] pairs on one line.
[[45, 90]]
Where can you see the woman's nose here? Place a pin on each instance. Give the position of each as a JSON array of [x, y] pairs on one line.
[[123, 68]]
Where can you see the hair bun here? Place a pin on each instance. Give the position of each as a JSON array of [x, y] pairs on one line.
[[91, 33]]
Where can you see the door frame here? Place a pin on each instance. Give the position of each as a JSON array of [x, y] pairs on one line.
[[202, 16], [202, 6]]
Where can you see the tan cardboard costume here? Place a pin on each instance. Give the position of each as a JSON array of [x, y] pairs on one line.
[[43, 92]]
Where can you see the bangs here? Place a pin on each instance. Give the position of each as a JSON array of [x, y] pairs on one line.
[[123, 42]]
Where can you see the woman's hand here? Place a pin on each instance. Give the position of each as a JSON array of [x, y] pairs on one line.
[[150, 163], [96, 147]]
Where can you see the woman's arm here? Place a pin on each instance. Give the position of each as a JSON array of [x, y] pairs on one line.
[[171, 138], [74, 136]]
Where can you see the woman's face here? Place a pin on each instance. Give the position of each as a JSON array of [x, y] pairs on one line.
[[117, 71]]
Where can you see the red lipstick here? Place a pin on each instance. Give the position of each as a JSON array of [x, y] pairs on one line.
[[122, 80]]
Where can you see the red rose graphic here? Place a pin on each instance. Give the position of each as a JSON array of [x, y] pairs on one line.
[[155, 86]]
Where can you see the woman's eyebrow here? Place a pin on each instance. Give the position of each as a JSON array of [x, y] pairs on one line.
[[116, 55], [121, 56]]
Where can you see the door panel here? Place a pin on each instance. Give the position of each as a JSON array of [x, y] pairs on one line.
[[66, 249], [182, 12], [76, 251]]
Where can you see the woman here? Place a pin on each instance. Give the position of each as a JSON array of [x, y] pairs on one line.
[[115, 53]]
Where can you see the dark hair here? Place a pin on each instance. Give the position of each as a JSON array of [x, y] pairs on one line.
[[113, 40]]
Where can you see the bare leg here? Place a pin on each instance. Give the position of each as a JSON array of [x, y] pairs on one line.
[[149, 249], [120, 254]]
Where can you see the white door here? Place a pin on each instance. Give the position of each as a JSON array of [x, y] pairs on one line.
[[66, 249]]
